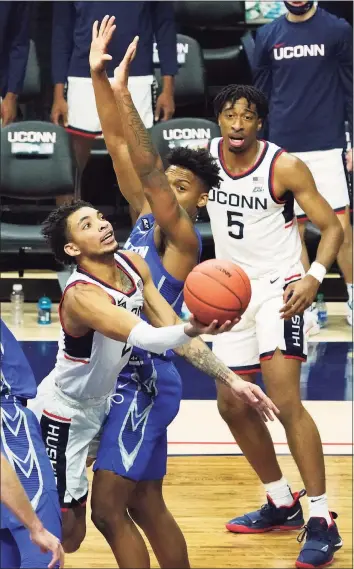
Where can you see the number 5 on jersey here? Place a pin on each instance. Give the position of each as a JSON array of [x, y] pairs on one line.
[[232, 222]]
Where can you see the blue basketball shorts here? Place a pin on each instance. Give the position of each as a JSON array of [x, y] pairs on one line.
[[134, 436], [22, 444]]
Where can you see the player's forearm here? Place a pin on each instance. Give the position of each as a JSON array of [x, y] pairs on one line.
[[15, 498], [143, 154], [201, 357], [330, 243], [107, 109]]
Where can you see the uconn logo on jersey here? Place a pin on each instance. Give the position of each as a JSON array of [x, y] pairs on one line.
[[234, 200], [298, 51], [140, 250]]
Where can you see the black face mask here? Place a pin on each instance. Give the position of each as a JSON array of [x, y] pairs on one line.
[[299, 10]]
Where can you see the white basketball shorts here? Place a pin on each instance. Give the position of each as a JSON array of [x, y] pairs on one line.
[[328, 171], [82, 112], [68, 427], [261, 330]]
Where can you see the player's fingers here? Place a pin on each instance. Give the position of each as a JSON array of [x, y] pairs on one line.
[[212, 328], [225, 327], [103, 26], [106, 57], [292, 300], [94, 30], [293, 309], [264, 398], [288, 292]]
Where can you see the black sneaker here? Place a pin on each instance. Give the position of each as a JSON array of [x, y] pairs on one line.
[[322, 540]]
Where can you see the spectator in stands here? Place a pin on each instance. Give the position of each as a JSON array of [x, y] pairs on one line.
[[72, 31], [304, 64], [14, 48]]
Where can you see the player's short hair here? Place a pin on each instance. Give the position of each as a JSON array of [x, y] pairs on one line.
[[199, 161], [55, 229], [232, 93]]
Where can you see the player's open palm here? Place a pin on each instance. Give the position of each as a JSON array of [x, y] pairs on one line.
[[121, 73], [101, 36], [255, 397], [46, 541]]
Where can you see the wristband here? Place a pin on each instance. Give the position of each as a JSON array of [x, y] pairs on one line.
[[317, 271]]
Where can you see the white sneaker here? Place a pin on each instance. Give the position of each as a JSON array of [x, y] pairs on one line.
[[350, 313], [311, 326]]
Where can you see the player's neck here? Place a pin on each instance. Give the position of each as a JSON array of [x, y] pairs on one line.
[[303, 18], [243, 161], [104, 269]]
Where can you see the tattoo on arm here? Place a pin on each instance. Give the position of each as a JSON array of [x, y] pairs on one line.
[[142, 150], [200, 356]]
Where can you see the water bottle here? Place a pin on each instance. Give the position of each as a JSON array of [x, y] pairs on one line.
[[44, 310], [17, 300], [322, 315]]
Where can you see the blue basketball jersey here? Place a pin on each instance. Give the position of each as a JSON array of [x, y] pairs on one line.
[[17, 378], [141, 241]]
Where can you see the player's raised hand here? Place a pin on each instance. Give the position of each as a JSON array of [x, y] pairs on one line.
[[298, 296], [101, 36], [121, 73], [195, 328], [255, 397], [46, 541]]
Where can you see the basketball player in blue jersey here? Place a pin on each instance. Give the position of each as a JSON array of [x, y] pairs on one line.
[[14, 497], [132, 456], [23, 448], [253, 225]]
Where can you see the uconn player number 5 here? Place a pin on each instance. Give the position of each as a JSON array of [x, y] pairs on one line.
[[231, 222]]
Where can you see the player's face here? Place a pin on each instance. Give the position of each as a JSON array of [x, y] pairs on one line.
[[239, 125], [91, 235], [188, 189]]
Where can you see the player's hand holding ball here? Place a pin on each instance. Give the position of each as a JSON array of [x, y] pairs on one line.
[[217, 293]]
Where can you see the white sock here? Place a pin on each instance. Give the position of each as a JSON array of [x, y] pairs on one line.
[[350, 292], [279, 492], [318, 508]]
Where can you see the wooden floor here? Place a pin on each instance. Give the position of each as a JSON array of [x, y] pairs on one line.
[[204, 492]]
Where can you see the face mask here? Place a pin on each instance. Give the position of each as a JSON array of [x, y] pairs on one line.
[[299, 10]]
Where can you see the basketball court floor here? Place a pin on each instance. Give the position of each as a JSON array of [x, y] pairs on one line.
[[209, 481]]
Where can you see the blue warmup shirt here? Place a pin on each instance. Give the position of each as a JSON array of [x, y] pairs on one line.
[[306, 70], [14, 45], [72, 34], [17, 377]]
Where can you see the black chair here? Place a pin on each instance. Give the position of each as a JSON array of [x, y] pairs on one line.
[[213, 14], [190, 86], [37, 164]]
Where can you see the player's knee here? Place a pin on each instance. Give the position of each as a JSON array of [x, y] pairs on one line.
[[232, 410], [106, 518], [72, 543], [290, 410]]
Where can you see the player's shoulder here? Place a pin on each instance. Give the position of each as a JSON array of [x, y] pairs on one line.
[[214, 146], [267, 31], [332, 20], [136, 262], [287, 166]]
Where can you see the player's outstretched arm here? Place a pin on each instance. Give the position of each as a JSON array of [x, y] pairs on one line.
[[89, 307], [196, 352], [172, 219], [13, 496], [293, 175], [112, 128]]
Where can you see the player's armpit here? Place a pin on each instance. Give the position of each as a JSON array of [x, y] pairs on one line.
[[293, 175], [91, 307]]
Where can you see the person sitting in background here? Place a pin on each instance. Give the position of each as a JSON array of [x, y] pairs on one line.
[[14, 48], [72, 30], [304, 64], [14, 497]]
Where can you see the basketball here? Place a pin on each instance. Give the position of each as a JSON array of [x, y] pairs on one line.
[[217, 290]]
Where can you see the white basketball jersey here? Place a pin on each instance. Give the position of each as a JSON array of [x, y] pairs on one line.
[[87, 366], [250, 226]]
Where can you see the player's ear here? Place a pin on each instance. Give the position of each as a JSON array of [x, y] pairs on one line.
[[72, 250], [259, 125], [203, 200]]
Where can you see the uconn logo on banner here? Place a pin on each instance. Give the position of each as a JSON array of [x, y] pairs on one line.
[[297, 51]]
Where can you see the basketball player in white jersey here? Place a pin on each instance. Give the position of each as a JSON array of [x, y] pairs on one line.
[[253, 225], [99, 314]]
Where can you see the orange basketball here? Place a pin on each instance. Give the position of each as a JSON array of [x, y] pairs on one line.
[[217, 290]]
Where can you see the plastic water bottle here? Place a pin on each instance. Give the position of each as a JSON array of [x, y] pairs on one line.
[[17, 299], [44, 310], [322, 315]]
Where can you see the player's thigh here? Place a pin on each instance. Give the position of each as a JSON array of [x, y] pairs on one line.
[[147, 501], [344, 220], [9, 553], [283, 348]]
